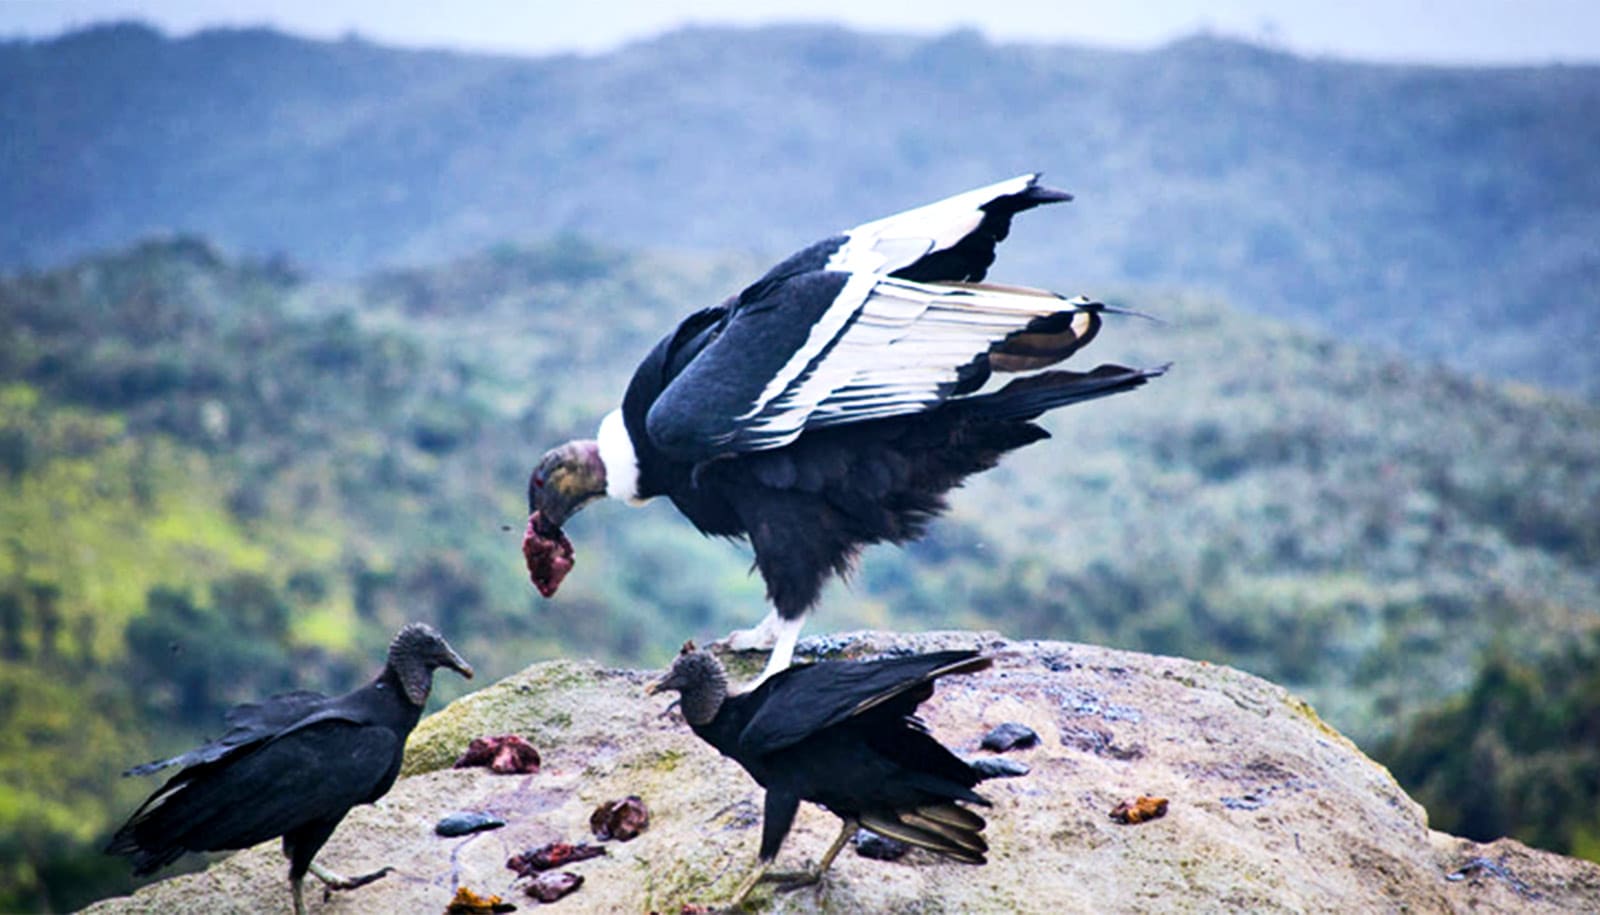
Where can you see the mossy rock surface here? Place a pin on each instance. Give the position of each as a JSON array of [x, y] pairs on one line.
[[1269, 809]]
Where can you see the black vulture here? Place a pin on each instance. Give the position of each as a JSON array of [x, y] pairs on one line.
[[833, 403], [842, 734], [291, 766]]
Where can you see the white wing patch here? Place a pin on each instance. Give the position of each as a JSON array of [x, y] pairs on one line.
[[900, 354], [888, 244], [849, 300]]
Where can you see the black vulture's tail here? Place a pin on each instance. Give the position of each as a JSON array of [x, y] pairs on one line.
[[146, 859], [947, 828], [1027, 398]]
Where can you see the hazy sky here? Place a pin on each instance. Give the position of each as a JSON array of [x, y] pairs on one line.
[[1450, 31]]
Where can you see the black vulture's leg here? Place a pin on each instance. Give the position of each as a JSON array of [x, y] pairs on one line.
[[748, 885], [335, 881], [299, 897], [796, 881]]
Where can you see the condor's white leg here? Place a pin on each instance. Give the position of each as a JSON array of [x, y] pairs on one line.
[[775, 633]]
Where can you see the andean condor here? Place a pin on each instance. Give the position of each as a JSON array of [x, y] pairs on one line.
[[833, 402]]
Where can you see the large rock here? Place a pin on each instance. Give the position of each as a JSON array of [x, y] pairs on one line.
[[1269, 808]]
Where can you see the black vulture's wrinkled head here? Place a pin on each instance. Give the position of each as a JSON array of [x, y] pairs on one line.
[[416, 652], [700, 680]]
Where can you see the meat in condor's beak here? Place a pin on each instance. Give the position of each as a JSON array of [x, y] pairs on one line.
[[566, 479]]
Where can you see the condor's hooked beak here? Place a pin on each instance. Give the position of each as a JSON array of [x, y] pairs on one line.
[[566, 479]]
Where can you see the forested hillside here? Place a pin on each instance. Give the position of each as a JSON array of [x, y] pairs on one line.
[[220, 479], [1450, 212]]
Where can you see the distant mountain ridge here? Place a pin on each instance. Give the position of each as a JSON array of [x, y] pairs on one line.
[[1451, 211]]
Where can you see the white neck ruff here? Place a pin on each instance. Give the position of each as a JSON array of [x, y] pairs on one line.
[[616, 452]]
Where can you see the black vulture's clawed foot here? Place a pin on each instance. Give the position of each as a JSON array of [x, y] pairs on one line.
[[350, 883], [332, 881], [788, 883]]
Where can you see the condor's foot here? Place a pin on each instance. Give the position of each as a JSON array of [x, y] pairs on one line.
[[773, 633], [760, 637]]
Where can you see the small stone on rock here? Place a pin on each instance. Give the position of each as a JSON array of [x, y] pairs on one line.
[[460, 824], [620, 820], [1010, 736], [879, 848], [998, 767]]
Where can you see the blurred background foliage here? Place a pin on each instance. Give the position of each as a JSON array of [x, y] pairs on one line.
[[1389, 538], [224, 475]]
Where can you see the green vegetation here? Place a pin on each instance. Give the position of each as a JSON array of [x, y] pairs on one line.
[[1515, 755], [219, 480]]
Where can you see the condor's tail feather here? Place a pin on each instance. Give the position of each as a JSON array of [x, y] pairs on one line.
[[1027, 398]]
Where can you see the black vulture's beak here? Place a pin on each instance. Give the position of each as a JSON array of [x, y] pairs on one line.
[[669, 682], [456, 663], [674, 680], [566, 479]]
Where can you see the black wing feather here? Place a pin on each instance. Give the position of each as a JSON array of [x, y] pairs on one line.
[[313, 773], [820, 695], [251, 723], [698, 413]]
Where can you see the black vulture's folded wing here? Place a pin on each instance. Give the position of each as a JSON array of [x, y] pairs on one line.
[[249, 724], [311, 774], [803, 700]]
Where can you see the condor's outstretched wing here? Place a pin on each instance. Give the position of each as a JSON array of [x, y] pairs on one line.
[[829, 347], [950, 240]]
